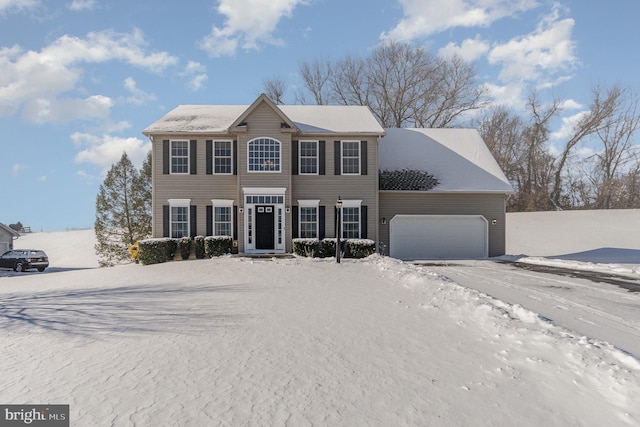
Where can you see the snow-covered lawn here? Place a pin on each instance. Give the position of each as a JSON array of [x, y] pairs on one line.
[[235, 341]]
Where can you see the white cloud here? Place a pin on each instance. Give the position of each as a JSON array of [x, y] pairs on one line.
[[567, 127], [248, 25], [425, 17], [65, 110], [196, 74], [546, 51], [509, 95], [139, 96], [105, 150], [34, 80], [78, 5], [16, 5], [16, 168], [469, 49]]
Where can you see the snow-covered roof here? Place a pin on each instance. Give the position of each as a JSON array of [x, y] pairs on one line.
[[458, 158], [308, 118]]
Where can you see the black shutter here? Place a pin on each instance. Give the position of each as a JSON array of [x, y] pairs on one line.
[[235, 157], [363, 222], [321, 158], [166, 157], [363, 157], [321, 222], [294, 157], [336, 157], [294, 222], [193, 157], [235, 223], [194, 227], [166, 217], [209, 220], [209, 155]]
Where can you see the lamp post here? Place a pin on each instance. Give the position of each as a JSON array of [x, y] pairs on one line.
[[339, 217]]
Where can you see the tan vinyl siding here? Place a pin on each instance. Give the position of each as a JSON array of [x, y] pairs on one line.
[[200, 188], [491, 206], [327, 188]]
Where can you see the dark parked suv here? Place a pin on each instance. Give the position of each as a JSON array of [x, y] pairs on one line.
[[24, 259]]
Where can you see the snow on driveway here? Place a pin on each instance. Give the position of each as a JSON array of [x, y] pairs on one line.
[[298, 342], [594, 309]]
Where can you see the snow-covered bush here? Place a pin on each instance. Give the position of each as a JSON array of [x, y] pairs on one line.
[[328, 248], [154, 251], [306, 247], [199, 246], [360, 248], [185, 247], [217, 245]]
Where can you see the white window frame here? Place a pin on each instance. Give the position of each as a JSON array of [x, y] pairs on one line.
[[264, 158], [343, 157], [171, 156], [313, 204], [179, 203], [230, 157], [222, 203], [316, 157], [351, 204]]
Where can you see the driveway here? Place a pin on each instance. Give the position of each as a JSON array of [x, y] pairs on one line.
[[600, 307]]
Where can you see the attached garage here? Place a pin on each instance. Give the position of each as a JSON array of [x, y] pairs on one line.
[[414, 237], [442, 195]]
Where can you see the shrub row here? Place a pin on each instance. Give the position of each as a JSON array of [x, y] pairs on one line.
[[154, 251], [350, 248]]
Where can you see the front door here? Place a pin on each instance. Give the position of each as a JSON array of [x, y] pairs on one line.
[[265, 227]]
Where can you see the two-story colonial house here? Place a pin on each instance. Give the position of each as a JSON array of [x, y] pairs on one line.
[[265, 174]]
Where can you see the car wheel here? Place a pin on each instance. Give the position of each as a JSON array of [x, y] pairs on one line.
[[19, 267], [40, 269]]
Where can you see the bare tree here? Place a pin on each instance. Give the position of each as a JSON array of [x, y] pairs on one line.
[[403, 85], [601, 109], [275, 88], [316, 75]]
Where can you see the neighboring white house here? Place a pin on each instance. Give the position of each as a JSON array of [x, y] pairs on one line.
[[7, 236], [265, 174]]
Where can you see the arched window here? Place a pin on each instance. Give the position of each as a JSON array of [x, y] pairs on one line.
[[264, 155]]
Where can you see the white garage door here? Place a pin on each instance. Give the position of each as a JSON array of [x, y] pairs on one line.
[[414, 237]]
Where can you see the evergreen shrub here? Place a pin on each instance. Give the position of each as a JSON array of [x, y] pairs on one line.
[[217, 245]]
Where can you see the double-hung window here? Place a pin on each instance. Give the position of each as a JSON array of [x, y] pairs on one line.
[[264, 155], [351, 219], [308, 157], [223, 157], [222, 217], [351, 157], [308, 218], [179, 221], [179, 157]]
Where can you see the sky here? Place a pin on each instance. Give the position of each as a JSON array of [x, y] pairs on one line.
[[81, 79]]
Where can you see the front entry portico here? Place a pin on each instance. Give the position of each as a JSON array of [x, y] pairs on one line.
[[264, 220]]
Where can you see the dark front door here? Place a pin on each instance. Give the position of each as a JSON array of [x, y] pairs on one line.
[[265, 227]]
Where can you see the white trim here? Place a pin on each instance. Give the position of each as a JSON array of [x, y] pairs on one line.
[[222, 203], [261, 191], [317, 157], [171, 141], [280, 159], [309, 203], [342, 172], [179, 203], [351, 203], [315, 204], [213, 154]]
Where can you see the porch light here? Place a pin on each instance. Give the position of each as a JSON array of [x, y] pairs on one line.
[[339, 217]]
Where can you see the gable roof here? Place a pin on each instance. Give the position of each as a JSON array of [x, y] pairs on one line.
[[457, 158], [312, 119], [9, 230]]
